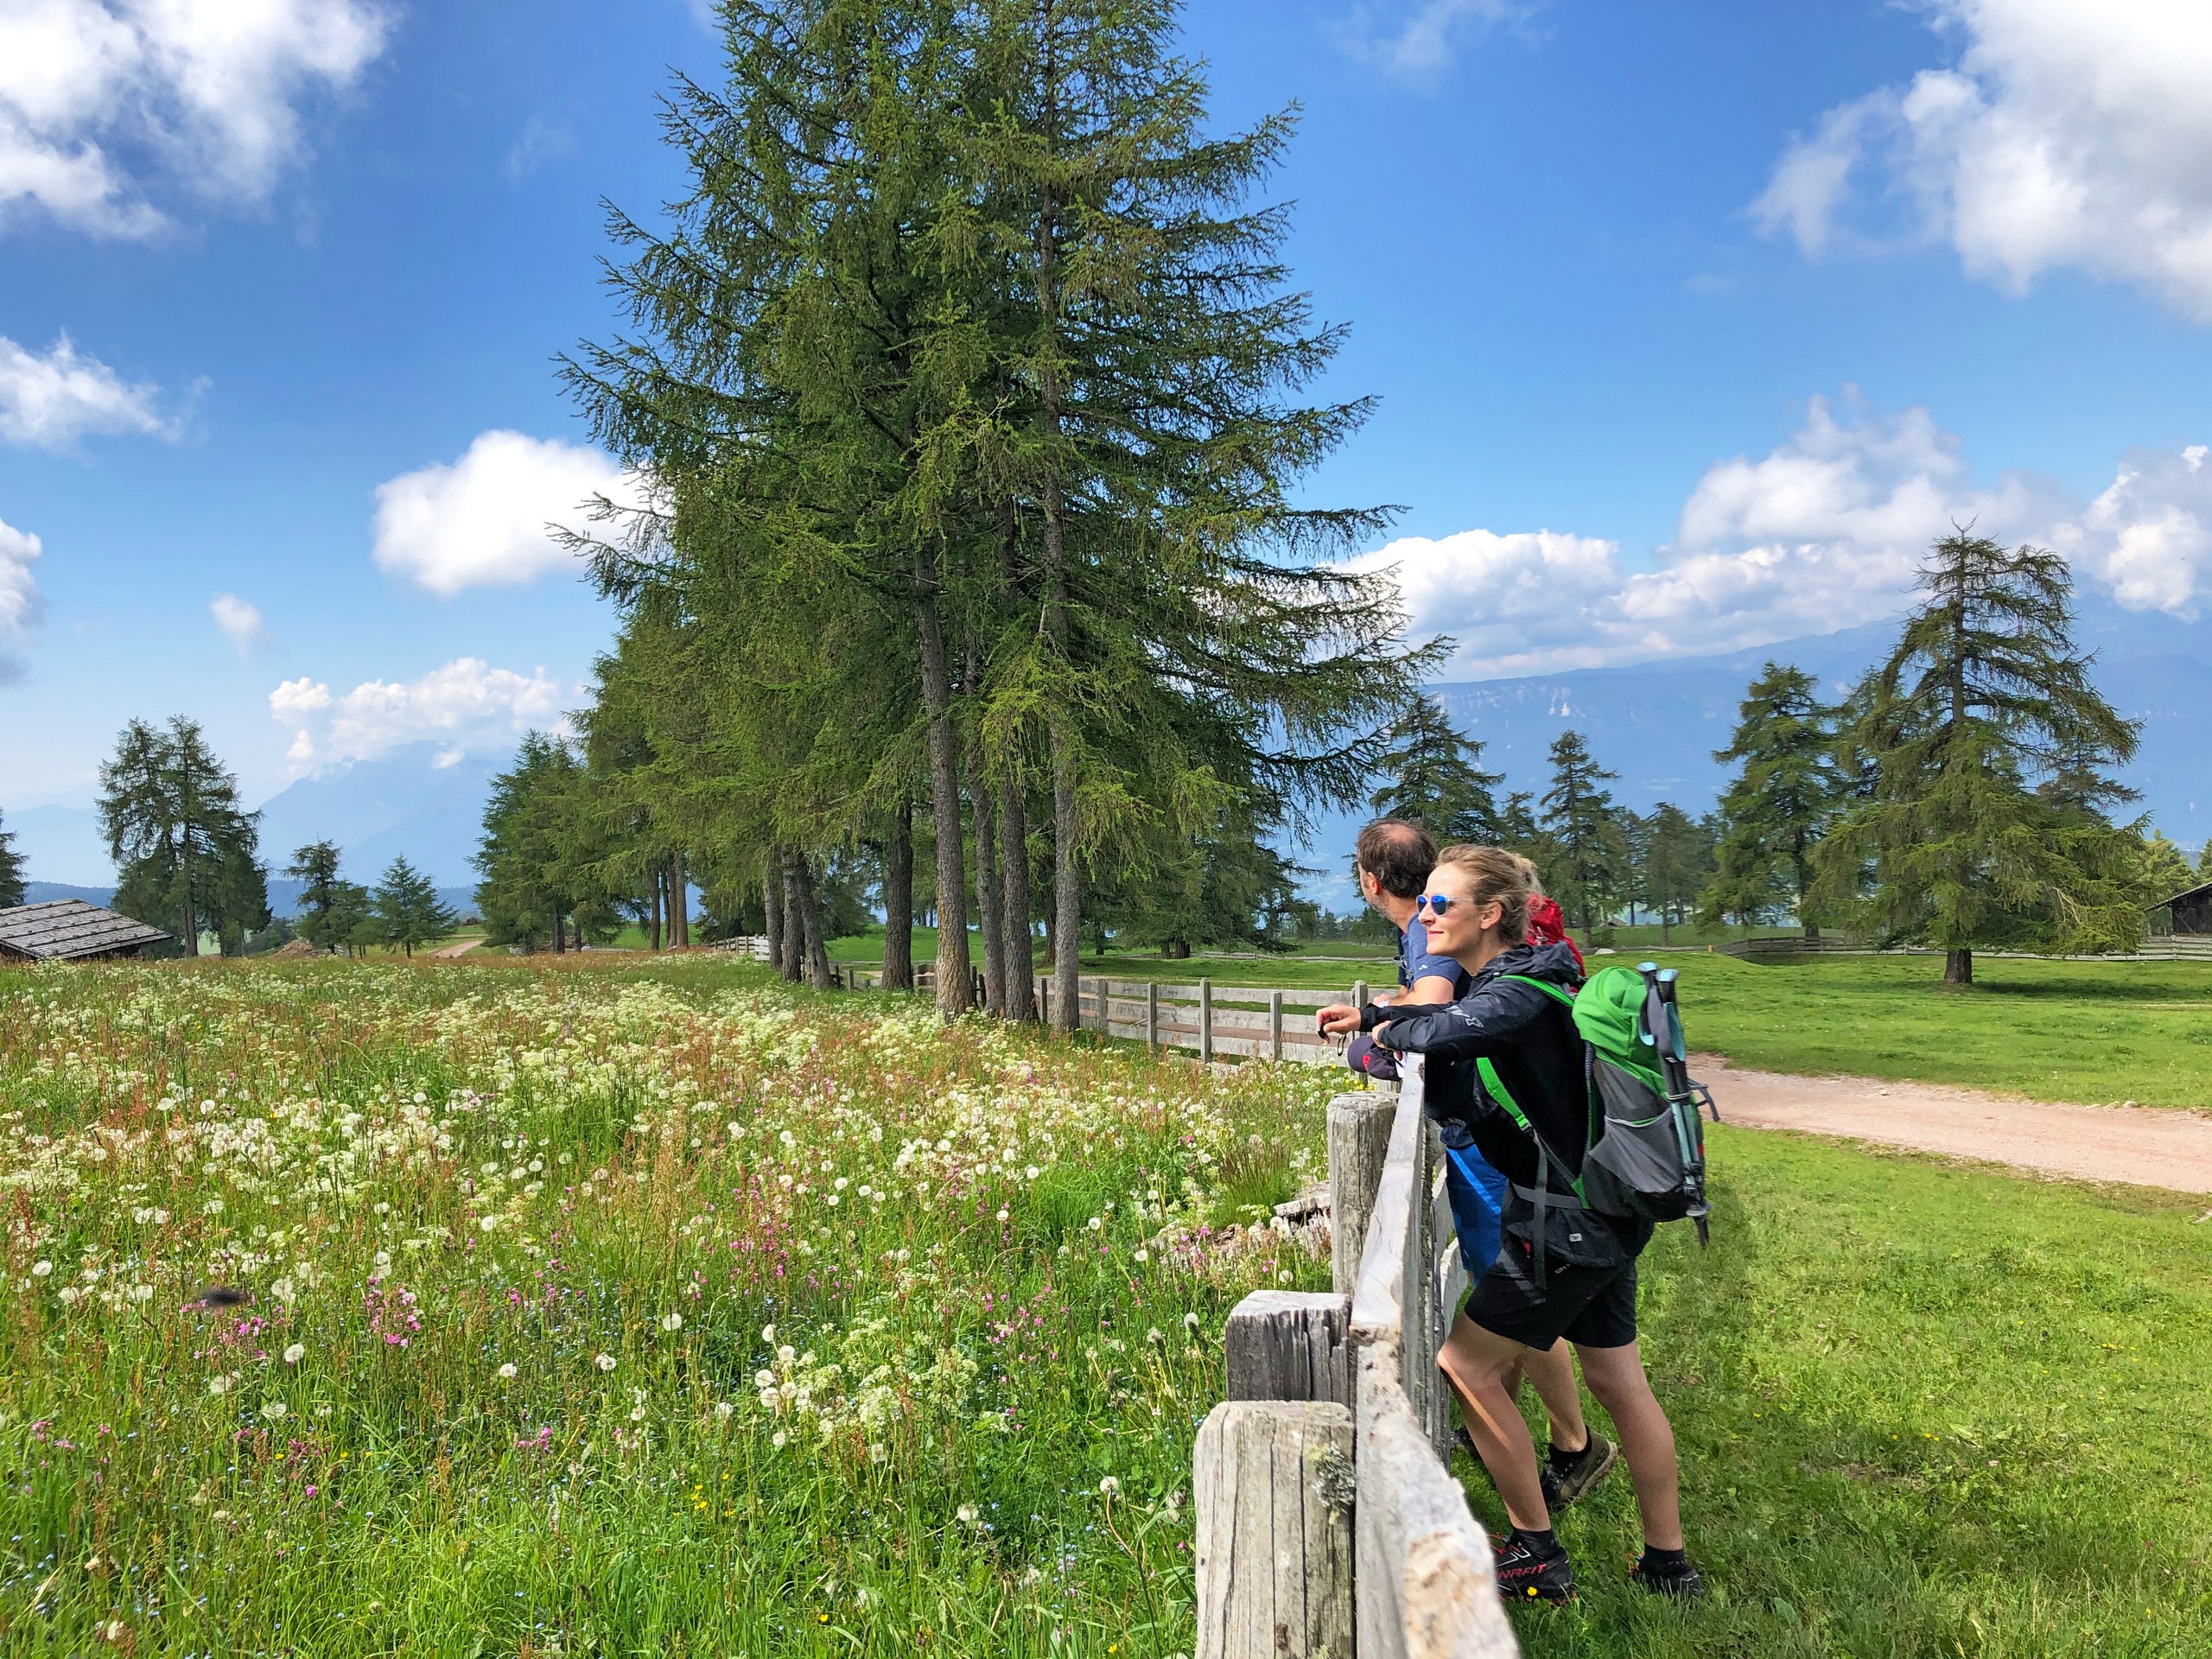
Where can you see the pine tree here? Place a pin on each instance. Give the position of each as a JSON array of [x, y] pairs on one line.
[[315, 865], [183, 847], [1434, 777], [2205, 861], [527, 850], [11, 871], [408, 910], [1787, 791], [1984, 697], [2166, 871], [1582, 834], [1678, 861]]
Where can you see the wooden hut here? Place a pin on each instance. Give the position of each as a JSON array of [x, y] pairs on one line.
[[69, 929], [2192, 912]]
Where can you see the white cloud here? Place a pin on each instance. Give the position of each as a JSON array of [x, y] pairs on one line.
[[541, 141], [1824, 532], [52, 401], [467, 705], [483, 521], [2149, 537], [20, 605], [2072, 133], [100, 99], [1423, 39], [239, 621]]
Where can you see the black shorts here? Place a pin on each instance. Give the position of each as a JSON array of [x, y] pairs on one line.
[[1593, 1307]]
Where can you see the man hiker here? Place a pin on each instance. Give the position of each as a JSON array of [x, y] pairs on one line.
[[1394, 858]]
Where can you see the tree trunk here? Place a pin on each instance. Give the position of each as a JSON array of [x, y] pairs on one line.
[[810, 910], [679, 903], [1067, 891], [794, 962], [982, 813], [1021, 967], [952, 969], [898, 902], [1958, 967], [653, 915], [771, 905]]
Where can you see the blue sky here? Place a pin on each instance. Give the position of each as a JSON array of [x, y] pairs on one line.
[[1691, 325]]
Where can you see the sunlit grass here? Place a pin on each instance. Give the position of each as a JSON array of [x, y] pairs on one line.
[[580, 1310]]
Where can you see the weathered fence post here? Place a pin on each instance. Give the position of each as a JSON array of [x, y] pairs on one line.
[[1152, 1013], [1274, 1025], [1205, 1019], [1359, 1143], [1272, 1488], [1358, 992], [1289, 1344]]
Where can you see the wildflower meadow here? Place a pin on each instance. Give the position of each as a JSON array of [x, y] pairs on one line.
[[507, 1309]]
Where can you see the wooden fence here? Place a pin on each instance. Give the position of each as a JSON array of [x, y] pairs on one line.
[[1328, 1522], [1213, 1021]]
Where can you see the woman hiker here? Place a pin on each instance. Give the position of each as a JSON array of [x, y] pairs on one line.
[[1394, 858], [1583, 1287]]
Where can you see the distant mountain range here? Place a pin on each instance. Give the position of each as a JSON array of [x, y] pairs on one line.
[[1657, 724], [284, 896], [405, 803]]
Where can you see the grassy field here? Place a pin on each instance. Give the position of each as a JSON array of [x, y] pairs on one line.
[[608, 1312], [1921, 1411], [2073, 1030], [554, 1343]]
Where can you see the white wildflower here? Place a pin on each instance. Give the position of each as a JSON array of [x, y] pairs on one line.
[[295, 1353], [965, 1515], [605, 1362], [275, 1410], [40, 1269], [1108, 1487], [219, 1385], [671, 1321], [506, 1373]]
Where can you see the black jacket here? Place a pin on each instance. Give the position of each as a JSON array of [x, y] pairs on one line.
[[1530, 1037]]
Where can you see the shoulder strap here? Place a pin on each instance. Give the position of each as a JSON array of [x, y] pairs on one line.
[[1565, 998]]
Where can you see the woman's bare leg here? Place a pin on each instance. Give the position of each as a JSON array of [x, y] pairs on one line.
[[1616, 1379], [1552, 1369], [1475, 1362]]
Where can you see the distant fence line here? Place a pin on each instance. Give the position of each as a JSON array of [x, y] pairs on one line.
[[1213, 1021], [2186, 947]]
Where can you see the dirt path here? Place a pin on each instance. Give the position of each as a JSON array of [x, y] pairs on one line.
[[2139, 1145], [453, 953]]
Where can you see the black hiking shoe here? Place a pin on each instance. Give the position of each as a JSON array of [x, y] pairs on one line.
[[1679, 1581], [1564, 1482], [1525, 1575]]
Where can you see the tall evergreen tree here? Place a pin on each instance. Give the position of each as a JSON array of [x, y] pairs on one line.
[[184, 847], [1582, 834], [1984, 697], [11, 871], [2205, 861], [1432, 776], [1678, 861], [2166, 871], [315, 867], [408, 910], [1786, 792]]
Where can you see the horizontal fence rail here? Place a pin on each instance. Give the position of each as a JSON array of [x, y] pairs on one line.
[[1213, 1021]]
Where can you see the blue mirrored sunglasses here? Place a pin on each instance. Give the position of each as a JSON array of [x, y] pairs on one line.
[[1439, 902]]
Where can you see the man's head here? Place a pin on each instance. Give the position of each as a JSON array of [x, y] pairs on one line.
[[1395, 859]]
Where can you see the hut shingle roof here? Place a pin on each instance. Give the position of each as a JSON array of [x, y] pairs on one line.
[[69, 929]]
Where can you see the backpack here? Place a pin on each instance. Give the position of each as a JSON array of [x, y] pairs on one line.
[[1646, 1152]]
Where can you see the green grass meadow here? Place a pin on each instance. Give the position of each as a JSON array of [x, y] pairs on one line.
[[2098, 1033], [1922, 1410], [618, 1306]]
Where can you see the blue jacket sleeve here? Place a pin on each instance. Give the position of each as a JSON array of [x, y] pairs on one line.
[[1485, 1020]]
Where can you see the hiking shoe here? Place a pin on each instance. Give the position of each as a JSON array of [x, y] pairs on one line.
[[1525, 1575], [1565, 1481], [1683, 1583]]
